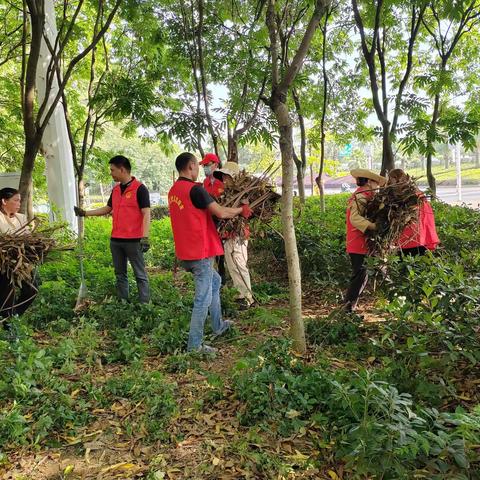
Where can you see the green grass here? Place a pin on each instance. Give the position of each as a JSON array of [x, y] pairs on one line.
[[389, 399]]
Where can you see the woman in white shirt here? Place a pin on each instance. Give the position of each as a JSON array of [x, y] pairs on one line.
[[13, 222]]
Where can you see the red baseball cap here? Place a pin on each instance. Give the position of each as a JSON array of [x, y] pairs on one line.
[[209, 158]]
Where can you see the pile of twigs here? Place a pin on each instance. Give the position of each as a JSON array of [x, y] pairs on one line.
[[258, 192], [392, 208], [23, 250]]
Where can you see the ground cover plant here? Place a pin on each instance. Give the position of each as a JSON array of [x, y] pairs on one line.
[[109, 392]]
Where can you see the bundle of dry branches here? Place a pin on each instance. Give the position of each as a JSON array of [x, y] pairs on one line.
[[392, 208], [23, 250], [258, 192]]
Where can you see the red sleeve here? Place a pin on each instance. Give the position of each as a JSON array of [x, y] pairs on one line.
[[428, 224]]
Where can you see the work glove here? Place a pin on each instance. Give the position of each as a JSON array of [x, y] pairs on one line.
[[145, 244], [246, 211], [79, 212]]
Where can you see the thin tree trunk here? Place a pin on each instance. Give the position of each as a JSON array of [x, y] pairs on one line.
[[430, 148], [32, 143], [311, 181], [300, 176], [277, 102], [81, 204], [388, 159], [322, 196], [300, 163], [293, 262], [206, 101], [232, 147], [26, 177], [477, 155], [319, 179]]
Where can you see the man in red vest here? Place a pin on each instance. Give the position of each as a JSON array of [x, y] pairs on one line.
[[129, 203], [196, 245], [357, 225]]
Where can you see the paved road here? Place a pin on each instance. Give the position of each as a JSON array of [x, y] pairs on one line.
[[470, 195]]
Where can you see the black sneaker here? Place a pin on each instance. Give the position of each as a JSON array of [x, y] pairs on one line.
[[242, 304]]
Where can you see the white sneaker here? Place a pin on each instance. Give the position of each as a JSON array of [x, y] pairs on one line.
[[204, 349]]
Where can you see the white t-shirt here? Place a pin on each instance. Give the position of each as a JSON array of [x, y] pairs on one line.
[[12, 224]]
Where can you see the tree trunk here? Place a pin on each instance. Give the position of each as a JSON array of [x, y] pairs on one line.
[[32, 143], [26, 182], [319, 179], [232, 148], [301, 163], [430, 148], [388, 160], [430, 176], [300, 176], [312, 192], [321, 189], [278, 104], [477, 155], [446, 160], [81, 204], [206, 100], [293, 261]]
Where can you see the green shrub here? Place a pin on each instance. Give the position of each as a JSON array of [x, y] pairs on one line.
[[337, 328], [275, 385], [320, 240], [378, 432], [55, 300], [29, 386]]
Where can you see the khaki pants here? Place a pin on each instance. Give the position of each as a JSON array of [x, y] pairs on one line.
[[236, 256]]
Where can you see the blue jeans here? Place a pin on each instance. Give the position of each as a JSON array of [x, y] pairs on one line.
[[207, 297]]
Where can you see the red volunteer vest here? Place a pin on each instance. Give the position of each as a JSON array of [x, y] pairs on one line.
[[423, 232], [127, 216], [194, 232], [356, 240], [215, 188]]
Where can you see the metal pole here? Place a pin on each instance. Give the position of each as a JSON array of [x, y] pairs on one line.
[[458, 165]]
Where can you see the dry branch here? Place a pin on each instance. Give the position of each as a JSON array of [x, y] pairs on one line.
[[258, 192], [393, 208], [23, 250]]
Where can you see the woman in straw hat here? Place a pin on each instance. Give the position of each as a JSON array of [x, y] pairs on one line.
[[356, 242], [236, 249]]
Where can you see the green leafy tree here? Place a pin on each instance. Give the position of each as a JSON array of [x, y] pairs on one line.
[[388, 52], [449, 26]]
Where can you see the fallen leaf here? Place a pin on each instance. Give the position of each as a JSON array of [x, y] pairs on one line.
[[68, 470], [119, 466]]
